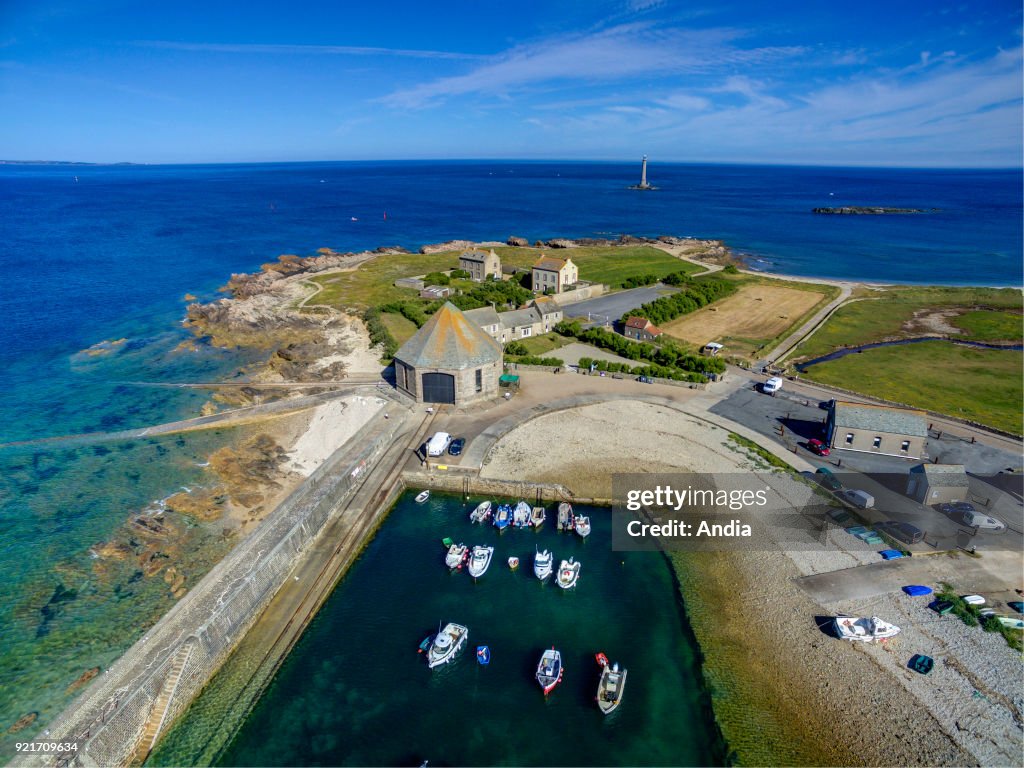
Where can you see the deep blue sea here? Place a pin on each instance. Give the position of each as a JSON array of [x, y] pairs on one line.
[[94, 253]]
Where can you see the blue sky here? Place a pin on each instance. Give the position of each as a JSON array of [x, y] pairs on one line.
[[899, 83]]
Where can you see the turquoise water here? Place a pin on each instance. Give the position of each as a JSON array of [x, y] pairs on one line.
[[355, 692]]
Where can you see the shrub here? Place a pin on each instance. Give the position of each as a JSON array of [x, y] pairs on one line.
[[516, 348], [552, 362], [437, 278], [694, 296], [379, 334], [460, 273], [730, 269]]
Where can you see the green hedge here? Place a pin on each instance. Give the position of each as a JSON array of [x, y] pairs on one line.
[[694, 296], [379, 333], [552, 362], [666, 356]]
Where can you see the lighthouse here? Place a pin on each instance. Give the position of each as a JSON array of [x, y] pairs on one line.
[[643, 176]]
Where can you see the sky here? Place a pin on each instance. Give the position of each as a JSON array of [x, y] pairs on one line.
[[894, 83]]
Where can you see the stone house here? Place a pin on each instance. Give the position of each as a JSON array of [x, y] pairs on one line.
[[481, 264], [641, 329], [538, 318], [938, 483], [551, 275], [878, 429]]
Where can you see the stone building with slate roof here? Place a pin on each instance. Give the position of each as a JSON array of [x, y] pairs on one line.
[[938, 483], [481, 264], [551, 275], [876, 429], [449, 360]]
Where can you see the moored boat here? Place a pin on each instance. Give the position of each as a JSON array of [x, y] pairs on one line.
[[513, 562], [422, 496], [610, 687], [503, 517], [538, 516], [483, 655], [480, 561], [521, 515], [447, 644], [543, 564], [854, 628], [568, 573], [457, 555], [582, 526], [549, 670], [481, 514], [565, 516]]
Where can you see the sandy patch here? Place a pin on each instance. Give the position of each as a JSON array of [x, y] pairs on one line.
[[355, 350], [754, 312], [933, 322], [331, 425]]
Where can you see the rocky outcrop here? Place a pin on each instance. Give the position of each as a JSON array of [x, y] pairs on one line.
[[862, 210], [518, 242], [84, 678], [449, 245], [23, 722], [560, 242]]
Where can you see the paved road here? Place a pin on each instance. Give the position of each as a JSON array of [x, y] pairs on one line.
[[611, 307]]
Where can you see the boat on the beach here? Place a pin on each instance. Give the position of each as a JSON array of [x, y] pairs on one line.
[[855, 628], [481, 514], [447, 644], [973, 599], [457, 555], [521, 515], [538, 516], [513, 562], [549, 670], [1011, 621], [422, 496], [564, 516], [611, 685], [480, 561], [582, 526], [483, 655], [568, 573], [503, 517], [543, 564]]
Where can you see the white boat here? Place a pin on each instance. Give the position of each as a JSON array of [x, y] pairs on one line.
[[482, 513], [543, 564], [422, 496], [480, 561], [854, 628], [513, 562], [456, 556], [538, 517], [447, 644], [610, 687], [549, 670], [582, 525], [974, 599], [521, 515], [1011, 621], [568, 573], [564, 516]]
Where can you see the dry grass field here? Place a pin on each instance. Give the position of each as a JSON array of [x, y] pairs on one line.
[[757, 313]]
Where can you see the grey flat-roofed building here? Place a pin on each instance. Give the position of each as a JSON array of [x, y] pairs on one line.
[[938, 483], [877, 429]]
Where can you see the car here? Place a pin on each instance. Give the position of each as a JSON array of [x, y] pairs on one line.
[[905, 532], [455, 448], [814, 445], [438, 443], [826, 478], [983, 522], [956, 508], [773, 385], [645, 379]]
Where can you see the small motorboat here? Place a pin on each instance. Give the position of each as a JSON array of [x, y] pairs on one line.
[[610, 687], [568, 573], [481, 514], [582, 526], [565, 516], [447, 644], [457, 555], [854, 628], [1011, 621], [549, 670], [1017, 606], [480, 561], [422, 496], [513, 562], [503, 517], [543, 564], [538, 516], [483, 655], [521, 515], [973, 599]]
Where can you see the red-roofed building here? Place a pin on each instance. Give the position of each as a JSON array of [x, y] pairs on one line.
[[641, 329]]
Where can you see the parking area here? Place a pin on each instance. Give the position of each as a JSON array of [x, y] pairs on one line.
[[611, 307]]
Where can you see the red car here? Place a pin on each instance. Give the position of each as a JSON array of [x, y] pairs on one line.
[[814, 445]]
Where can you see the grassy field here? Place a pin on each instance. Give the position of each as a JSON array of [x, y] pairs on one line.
[[400, 327], [977, 384], [916, 311], [541, 345], [372, 283]]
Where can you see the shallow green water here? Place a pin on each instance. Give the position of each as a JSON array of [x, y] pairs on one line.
[[355, 692]]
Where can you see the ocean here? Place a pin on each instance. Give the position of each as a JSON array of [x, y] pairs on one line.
[[108, 253]]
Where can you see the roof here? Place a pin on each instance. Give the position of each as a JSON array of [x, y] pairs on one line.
[[476, 254], [519, 317], [944, 475], [643, 324], [483, 316], [880, 418], [546, 305], [549, 263], [449, 340]]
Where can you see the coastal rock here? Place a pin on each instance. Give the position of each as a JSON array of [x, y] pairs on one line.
[[449, 245], [632, 240], [518, 242], [204, 504], [863, 210], [560, 242], [23, 722], [387, 249], [84, 678], [175, 580], [188, 297]]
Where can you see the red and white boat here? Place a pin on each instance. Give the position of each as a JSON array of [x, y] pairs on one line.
[[549, 670]]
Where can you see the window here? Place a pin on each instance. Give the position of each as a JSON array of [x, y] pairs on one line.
[[849, 438], [877, 442], [479, 380], [525, 332], [905, 446]]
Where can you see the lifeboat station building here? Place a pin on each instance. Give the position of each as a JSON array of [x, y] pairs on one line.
[[449, 360]]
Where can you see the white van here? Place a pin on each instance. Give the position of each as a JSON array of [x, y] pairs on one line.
[[861, 499], [984, 522], [773, 385], [438, 443]]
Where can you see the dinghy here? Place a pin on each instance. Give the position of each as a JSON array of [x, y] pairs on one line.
[[481, 514], [568, 573], [973, 599], [503, 517], [538, 516], [866, 630], [457, 555], [549, 670], [513, 562], [582, 525], [483, 655], [422, 496]]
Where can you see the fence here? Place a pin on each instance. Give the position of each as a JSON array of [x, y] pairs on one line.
[[119, 719]]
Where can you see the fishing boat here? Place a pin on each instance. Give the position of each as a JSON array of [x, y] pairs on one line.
[[611, 685], [549, 670], [422, 496], [503, 517], [457, 555], [568, 573], [866, 630], [582, 526], [447, 644], [481, 514], [480, 561], [513, 562], [543, 564], [565, 516], [521, 515], [538, 516], [483, 655]]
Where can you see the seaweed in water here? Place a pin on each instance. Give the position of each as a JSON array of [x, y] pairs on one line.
[[53, 608]]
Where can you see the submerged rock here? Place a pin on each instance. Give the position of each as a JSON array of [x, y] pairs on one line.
[[84, 678], [23, 722]]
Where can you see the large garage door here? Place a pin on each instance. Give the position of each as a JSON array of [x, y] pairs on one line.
[[438, 388]]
